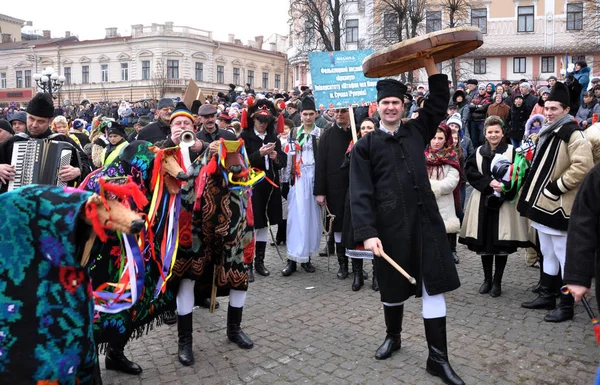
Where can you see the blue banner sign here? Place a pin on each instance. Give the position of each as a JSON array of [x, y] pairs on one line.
[[338, 79]]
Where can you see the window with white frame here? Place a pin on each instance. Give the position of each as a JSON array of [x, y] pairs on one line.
[[236, 76], [433, 21], [390, 26], [525, 18], [172, 69], [145, 69], [2, 79], [519, 65], [277, 81], [124, 71], [67, 73], [575, 16], [199, 72], [85, 74], [479, 18], [251, 78], [19, 76], [27, 78], [104, 72], [220, 74], [352, 31]]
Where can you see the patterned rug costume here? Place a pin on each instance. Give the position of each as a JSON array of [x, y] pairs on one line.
[[139, 161], [216, 223], [46, 307]]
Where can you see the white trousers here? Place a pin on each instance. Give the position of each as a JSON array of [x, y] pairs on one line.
[[434, 306], [185, 297], [554, 250], [262, 235]]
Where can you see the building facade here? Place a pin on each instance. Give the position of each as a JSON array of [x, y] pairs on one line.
[[522, 39], [154, 61]]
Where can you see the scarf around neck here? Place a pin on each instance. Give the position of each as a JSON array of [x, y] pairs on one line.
[[438, 158]]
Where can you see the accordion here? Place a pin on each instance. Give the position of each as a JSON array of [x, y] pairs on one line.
[[39, 161]]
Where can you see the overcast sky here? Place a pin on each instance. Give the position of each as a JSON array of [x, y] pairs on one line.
[[88, 19]]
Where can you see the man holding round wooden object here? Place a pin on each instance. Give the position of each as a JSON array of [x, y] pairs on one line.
[[392, 204]]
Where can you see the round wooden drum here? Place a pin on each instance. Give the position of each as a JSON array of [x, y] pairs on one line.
[[406, 55]]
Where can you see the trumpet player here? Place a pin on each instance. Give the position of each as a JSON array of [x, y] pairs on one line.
[[181, 120]]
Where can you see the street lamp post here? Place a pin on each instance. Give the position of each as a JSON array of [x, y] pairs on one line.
[[49, 81]]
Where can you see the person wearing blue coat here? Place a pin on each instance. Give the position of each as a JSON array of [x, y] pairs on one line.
[[582, 74]]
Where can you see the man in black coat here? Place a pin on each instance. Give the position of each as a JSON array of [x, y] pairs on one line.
[[394, 209], [40, 112], [209, 132], [159, 130], [583, 237], [331, 182]]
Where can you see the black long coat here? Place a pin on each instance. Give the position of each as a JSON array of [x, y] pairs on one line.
[[264, 193], [330, 179], [391, 198]]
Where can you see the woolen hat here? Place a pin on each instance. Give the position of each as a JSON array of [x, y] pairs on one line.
[[18, 116], [456, 119], [560, 93], [390, 88], [116, 128], [181, 110], [308, 104], [165, 103], [5, 125], [41, 105], [472, 81]]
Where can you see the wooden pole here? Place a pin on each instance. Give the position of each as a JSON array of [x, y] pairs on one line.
[[352, 124], [397, 267]]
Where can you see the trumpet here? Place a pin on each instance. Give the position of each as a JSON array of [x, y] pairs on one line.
[[187, 140]]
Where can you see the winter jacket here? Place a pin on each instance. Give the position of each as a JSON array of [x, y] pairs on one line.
[[443, 185], [586, 111], [478, 107], [516, 122], [583, 77], [552, 182], [499, 109], [592, 133]]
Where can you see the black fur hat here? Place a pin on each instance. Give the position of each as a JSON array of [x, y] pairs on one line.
[[41, 105], [262, 104], [560, 93]]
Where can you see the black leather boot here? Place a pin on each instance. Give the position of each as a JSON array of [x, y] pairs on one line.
[[234, 330], [496, 290], [259, 260], [184, 332], [437, 362], [308, 266], [545, 298], [289, 268], [452, 240], [564, 311], [488, 264], [342, 261], [375, 283], [250, 271], [393, 322], [116, 360], [357, 269]]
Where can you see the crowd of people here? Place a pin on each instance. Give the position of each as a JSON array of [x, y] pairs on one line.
[[400, 189]]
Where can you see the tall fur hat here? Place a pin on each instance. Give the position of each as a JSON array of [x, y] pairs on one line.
[[41, 105]]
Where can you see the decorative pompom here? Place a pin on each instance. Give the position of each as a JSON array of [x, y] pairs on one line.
[[211, 167], [250, 102]]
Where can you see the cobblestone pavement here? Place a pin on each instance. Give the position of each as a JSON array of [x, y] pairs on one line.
[[313, 329]]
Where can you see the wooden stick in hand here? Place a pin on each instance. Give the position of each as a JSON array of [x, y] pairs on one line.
[[397, 267]]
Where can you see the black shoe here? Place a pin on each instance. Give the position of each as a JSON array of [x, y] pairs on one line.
[[564, 311], [234, 330], [545, 298], [289, 268], [308, 267], [169, 318], [393, 321], [250, 273], [342, 261], [357, 270], [375, 283], [485, 287], [116, 360], [496, 290], [259, 260], [437, 362], [205, 303], [488, 265], [184, 334]]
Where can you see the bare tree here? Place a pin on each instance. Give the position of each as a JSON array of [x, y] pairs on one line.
[[321, 26], [458, 13], [390, 29], [590, 24], [414, 17], [159, 81]]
